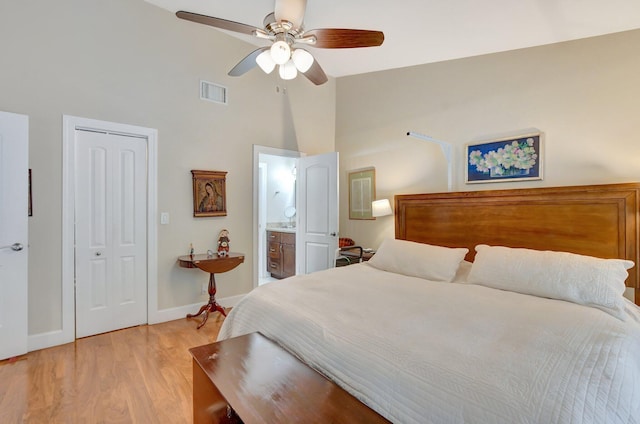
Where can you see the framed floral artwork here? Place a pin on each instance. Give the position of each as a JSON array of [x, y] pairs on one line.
[[508, 159], [209, 193]]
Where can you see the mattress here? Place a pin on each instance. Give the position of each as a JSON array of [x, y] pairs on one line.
[[421, 351]]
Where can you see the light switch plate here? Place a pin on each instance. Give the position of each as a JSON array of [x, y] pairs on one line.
[[164, 218]]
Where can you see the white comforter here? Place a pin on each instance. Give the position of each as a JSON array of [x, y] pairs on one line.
[[418, 351]]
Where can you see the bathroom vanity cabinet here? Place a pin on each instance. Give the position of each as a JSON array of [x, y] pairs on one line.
[[281, 253]]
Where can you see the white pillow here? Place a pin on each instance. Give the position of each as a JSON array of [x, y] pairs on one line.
[[418, 260], [567, 276]]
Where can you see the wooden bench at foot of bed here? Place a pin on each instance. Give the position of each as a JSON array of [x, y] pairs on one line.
[[251, 379]]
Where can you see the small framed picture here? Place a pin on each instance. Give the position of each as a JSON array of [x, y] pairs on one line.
[[508, 159], [209, 193], [362, 191]]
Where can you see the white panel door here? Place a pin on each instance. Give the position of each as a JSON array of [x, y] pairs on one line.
[[317, 192], [14, 173], [111, 238]]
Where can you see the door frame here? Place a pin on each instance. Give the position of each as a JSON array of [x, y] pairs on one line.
[[262, 219], [70, 125], [257, 151]]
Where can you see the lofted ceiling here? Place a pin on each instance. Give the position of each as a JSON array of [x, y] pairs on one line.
[[427, 31]]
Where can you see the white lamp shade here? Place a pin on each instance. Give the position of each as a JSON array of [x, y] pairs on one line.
[[280, 52], [302, 59], [265, 62], [381, 207], [288, 71]]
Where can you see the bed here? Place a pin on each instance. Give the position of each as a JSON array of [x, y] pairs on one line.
[[488, 307]]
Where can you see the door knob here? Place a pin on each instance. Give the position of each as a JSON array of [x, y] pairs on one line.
[[98, 253], [333, 234], [15, 247]]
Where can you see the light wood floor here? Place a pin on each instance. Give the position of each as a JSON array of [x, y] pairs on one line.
[[137, 375]]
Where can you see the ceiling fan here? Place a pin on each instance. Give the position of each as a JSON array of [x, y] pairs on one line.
[[284, 28]]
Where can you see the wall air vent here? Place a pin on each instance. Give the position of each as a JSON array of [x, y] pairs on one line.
[[213, 92]]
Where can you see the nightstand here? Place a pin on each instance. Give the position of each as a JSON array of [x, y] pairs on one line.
[[352, 255]]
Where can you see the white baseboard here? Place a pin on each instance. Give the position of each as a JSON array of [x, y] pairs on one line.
[[58, 337], [48, 339], [231, 301], [171, 314]]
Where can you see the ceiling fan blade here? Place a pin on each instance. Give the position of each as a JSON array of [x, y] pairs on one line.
[[290, 10], [315, 74], [335, 38], [218, 22], [246, 64]]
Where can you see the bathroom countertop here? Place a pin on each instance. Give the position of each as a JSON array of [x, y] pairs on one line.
[[281, 228]]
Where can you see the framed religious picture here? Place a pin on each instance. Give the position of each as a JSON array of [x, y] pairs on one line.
[[362, 191], [209, 193]]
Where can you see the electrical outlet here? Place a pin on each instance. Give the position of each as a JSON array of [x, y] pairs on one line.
[[205, 288]]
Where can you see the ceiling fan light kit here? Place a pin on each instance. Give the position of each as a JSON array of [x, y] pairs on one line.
[[265, 61], [284, 27], [288, 71], [302, 59], [280, 52]]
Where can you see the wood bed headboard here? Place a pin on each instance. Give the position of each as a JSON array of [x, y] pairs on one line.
[[594, 220]]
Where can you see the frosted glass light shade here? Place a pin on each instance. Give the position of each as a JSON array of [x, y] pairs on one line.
[[280, 52], [288, 71], [265, 62], [381, 208], [302, 59]]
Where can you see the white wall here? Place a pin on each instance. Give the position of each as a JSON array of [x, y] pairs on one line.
[[130, 62], [583, 95]]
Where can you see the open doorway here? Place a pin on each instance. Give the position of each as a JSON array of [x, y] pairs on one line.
[[276, 206], [299, 210], [274, 194]]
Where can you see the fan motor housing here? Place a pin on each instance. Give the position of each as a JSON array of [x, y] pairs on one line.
[[278, 27]]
